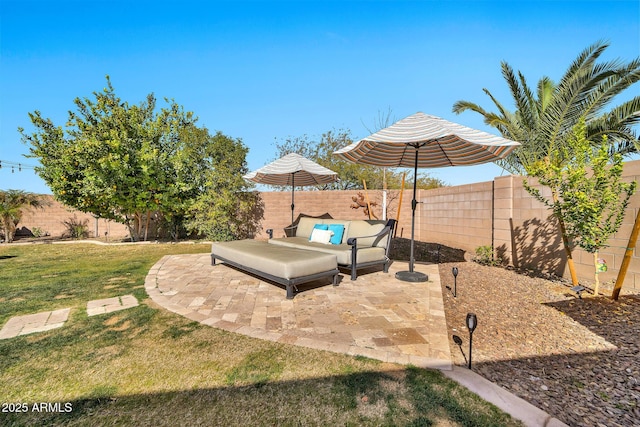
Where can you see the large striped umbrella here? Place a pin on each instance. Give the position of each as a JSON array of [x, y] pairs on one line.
[[293, 169], [424, 141]]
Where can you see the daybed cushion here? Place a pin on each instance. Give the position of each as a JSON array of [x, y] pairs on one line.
[[279, 261]]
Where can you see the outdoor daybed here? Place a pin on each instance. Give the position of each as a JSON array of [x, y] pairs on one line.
[[355, 243], [286, 266], [295, 260]]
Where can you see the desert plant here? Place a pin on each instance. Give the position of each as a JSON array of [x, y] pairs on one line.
[[38, 232], [75, 228], [484, 255]]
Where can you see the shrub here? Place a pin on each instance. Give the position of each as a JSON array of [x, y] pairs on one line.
[[484, 255], [38, 232], [76, 229]]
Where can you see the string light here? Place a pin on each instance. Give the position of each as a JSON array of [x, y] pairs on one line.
[[15, 166]]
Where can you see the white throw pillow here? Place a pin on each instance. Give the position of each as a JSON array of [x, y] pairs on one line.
[[321, 236]]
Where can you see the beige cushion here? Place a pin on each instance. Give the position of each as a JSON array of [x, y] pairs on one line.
[[279, 261], [305, 226], [359, 228]]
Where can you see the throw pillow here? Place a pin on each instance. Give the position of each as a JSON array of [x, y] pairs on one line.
[[321, 236], [338, 231], [318, 227]]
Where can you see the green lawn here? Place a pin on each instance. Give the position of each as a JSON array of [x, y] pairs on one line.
[[147, 366]]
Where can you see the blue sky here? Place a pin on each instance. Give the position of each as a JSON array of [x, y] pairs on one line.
[[263, 70]]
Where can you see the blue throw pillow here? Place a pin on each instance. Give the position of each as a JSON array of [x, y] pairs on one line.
[[338, 231]]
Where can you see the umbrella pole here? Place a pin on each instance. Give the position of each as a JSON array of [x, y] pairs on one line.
[[413, 276], [414, 204], [293, 189]]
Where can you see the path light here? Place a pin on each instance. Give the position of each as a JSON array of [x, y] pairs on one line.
[[578, 290], [472, 323], [454, 271]]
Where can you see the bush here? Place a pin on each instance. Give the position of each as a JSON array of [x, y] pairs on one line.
[[484, 255], [38, 232], [76, 229]]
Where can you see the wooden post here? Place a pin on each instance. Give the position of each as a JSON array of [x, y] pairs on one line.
[[627, 258], [399, 204]]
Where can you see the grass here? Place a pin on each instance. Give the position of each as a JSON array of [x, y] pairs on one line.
[[148, 366]]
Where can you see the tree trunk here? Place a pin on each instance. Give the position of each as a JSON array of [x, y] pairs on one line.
[[146, 226], [627, 258], [595, 264], [567, 249], [565, 242]]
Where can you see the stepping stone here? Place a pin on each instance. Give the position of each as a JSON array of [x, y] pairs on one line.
[[31, 323], [109, 305]]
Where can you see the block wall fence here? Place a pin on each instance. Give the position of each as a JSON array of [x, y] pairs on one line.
[[499, 213]]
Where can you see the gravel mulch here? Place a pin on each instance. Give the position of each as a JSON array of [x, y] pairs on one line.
[[577, 359]]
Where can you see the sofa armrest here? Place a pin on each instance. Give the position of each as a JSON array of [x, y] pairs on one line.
[[353, 242], [290, 231], [388, 228]]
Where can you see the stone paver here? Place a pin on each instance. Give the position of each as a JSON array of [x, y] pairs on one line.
[[109, 305], [375, 316], [30, 323]]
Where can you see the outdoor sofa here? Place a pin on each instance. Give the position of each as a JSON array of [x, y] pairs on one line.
[[355, 243], [295, 260]]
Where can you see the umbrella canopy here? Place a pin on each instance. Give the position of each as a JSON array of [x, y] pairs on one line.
[[441, 143], [294, 170], [424, 141]]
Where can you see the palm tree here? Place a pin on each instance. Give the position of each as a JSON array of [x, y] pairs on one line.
[[543, 120], [12, 203]]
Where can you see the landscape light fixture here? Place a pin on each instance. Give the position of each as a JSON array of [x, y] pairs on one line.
[[454, 271], [578, 290], [472, 323]]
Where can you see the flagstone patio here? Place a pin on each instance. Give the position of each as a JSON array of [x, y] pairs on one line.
[[375, 316]]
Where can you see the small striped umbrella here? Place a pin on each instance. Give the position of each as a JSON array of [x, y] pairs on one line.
[[292, 169], [424, 141]]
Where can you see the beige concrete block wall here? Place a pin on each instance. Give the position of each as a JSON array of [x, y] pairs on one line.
[[536, 241], [459, 216], [50, 219]]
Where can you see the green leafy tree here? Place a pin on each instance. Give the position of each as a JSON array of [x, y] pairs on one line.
[[12, 204], [543, 119], [226, 210], [120, 161], [588, 191], [351, 175]]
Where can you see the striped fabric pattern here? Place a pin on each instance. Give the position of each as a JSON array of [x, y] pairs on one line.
[[292, 169], [440, 143]]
